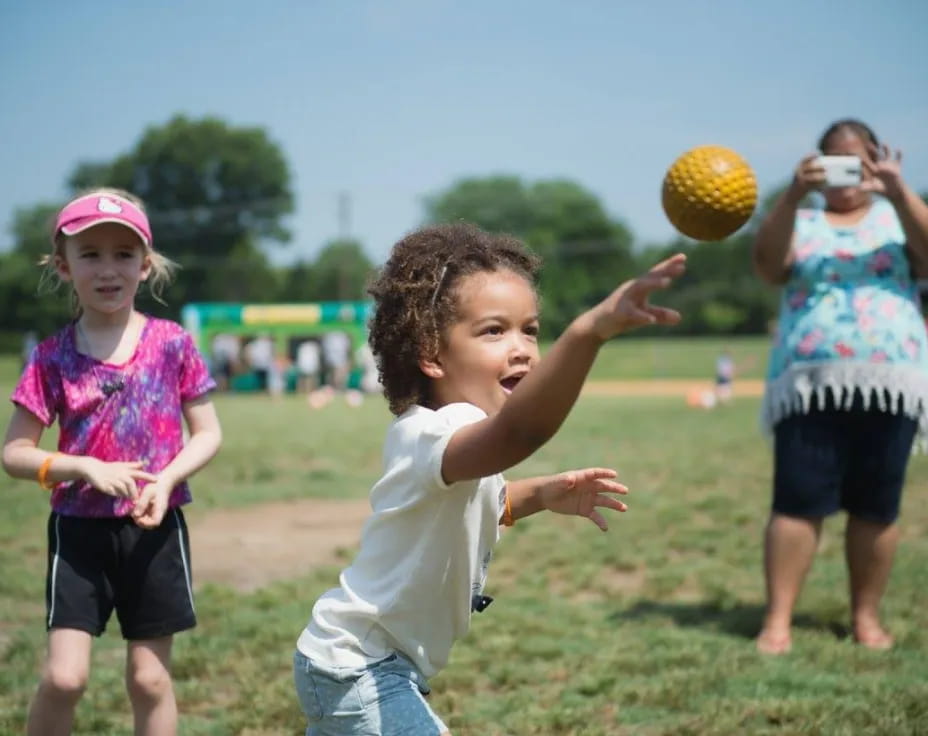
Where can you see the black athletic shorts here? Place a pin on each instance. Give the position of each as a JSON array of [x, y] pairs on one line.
[[96, 565], [833, 458]]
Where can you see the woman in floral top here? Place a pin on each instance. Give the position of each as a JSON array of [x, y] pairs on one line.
[[847, 385]]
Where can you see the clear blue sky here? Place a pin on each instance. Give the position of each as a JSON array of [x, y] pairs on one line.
[[393, 100]]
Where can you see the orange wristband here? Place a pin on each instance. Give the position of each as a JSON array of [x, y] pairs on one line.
[[42, 475], [507, 514]]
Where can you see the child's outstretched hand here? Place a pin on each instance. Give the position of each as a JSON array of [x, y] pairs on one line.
[[580, 492], [152, 504], [627, 307], [116, 478]]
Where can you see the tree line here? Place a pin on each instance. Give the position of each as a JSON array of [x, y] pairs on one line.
[[218, 197]]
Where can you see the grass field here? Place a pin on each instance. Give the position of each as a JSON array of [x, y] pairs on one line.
[[684, 357], [643, 630]]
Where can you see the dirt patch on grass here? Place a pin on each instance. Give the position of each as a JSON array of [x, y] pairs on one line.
[[247, 548]]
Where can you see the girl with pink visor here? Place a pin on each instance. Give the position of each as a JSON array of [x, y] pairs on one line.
[[120, 384]]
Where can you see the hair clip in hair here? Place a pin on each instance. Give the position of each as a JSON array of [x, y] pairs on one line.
[[439, 284]]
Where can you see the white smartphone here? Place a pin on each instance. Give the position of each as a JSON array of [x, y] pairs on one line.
[[841, 171]]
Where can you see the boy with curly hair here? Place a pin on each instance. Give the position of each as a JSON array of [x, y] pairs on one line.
[[455, 335]]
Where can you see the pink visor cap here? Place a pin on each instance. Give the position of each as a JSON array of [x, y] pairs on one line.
[[85, 212]]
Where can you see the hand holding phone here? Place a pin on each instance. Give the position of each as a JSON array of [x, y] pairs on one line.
[[841, 171]]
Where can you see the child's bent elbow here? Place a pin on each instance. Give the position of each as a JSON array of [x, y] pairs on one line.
[[8, 461], [212, 440]]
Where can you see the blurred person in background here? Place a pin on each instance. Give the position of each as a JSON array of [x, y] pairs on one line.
[[225, 353], [259, 355], [336, 351], [308, 366]]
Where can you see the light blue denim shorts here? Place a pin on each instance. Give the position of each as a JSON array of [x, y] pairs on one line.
[[386, 698]]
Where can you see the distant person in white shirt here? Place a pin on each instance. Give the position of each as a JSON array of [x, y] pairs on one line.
[[309, 371], [455, 330], [308, 365], [259, 354], [336, 351], [277, 375]]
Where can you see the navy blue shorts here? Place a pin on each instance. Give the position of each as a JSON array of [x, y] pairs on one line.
[[98, 565], [831, 459]]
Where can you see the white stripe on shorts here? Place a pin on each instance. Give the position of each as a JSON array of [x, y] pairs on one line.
[[54, 576], [183, 556]]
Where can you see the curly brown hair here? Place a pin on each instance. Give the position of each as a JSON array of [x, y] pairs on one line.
[[415, 299]]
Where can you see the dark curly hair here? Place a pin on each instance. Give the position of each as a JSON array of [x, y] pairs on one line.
[[415, 298]]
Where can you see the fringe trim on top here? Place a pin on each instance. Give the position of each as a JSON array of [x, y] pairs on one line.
[[887, 388]]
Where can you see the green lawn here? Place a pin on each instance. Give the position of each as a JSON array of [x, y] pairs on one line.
[[643, 630], [679, 357]]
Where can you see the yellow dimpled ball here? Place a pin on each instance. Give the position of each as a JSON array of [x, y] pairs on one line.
[[709, 192]]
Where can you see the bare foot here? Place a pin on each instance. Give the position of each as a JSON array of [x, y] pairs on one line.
[[773, 641], [873, 636]]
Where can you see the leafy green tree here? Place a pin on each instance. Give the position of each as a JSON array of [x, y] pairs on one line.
[[496, 203], [22, 306], [32, 230], [295, 282], [215, 194], [340, 273]]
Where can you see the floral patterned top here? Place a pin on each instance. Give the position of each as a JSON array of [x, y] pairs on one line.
[[850, 319], [112, 412]]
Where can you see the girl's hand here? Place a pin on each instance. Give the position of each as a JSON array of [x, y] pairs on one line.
[[115, 479], [627, 307], [152, 504], [884, 171], [808, 176], [580, 492]]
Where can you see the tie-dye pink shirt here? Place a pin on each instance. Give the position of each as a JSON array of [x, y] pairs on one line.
[[111, 412]]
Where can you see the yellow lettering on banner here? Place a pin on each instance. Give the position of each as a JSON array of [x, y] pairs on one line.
[[258, 314]]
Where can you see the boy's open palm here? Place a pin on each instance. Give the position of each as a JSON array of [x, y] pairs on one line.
[[581, 492], [627, 307]]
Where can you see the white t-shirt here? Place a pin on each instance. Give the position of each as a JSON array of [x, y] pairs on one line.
[[307, 357], [260, 353], [424, 554], [336, 348], [226, 347]]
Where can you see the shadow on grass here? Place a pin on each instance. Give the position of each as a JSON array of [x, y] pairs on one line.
[[739, 619]]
